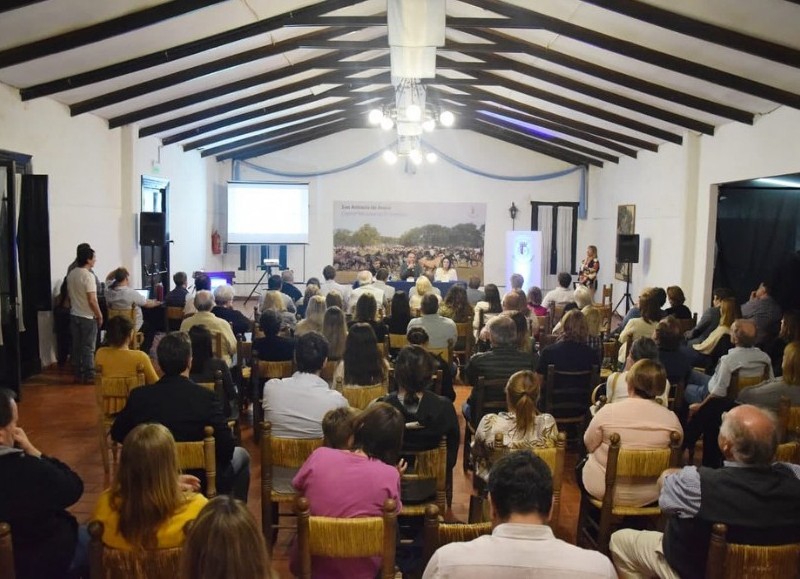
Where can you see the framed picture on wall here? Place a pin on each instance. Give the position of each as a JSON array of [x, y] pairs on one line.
[[626, 223]]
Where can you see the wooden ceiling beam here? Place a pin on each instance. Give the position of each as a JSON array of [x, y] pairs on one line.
[[281, 132], [601, 94], [380, 20], [267, 110], [531, 144], [100, 31], [173, 53], [610, 75], [192, 73], [641, 53], [702, 30], [9, 5], [286, 142]]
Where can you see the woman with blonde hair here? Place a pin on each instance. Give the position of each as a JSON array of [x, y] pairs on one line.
[[768, 394], [334, 328], [728, 313], [642, 327], [522, 426], [273, 300], [422, 286], [149, 501], [225, 542], [315, 315]]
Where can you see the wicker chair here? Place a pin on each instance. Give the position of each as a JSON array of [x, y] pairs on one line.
[[686, 325], [788, 452], [263, 371], [360, 396], [568, 404], [788, 420], [464, 338], [346, 538], [6, 553], [428, 464], [437, 535], [111, 395], [201, 455], [553, 457], [633, 466], [280, 460], [484, 404], [138, 337], [737, 561], [397, 341], [172, 318], [108, 563], [328, 370], [739, 382]]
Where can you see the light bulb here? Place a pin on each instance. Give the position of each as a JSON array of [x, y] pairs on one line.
[[431, 157], [387, 123], [375, 116], [429, 125], [447, 118], [415, 156], [413, 112], [389, 156]]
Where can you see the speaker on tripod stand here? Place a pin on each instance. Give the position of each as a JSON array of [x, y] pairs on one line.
[[627, 253]]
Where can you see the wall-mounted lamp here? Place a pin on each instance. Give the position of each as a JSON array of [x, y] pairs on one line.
[[512, 211]]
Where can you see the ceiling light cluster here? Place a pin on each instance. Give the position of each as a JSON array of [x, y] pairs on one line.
[[412, 117]]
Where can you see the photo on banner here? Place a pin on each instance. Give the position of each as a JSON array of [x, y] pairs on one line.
[[370, 235]]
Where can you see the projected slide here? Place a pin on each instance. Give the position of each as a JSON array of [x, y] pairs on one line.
[[267, 212]]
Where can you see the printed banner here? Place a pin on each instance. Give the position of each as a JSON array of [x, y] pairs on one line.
[[372, 234]]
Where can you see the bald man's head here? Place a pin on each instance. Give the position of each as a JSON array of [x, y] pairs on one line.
[[749, 435], [744, 333]]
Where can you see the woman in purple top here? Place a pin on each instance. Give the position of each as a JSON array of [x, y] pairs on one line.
[[354, 483]]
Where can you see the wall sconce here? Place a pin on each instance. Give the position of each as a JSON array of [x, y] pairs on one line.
[[512, 211]]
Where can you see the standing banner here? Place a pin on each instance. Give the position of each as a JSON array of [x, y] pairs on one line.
[[524, 256]]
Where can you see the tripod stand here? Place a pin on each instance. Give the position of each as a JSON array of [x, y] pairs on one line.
[[626, 297], [267, 270]]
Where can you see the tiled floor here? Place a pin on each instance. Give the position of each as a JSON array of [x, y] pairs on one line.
[[60, 419]]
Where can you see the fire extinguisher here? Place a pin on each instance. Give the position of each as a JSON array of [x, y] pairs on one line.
[[216, 243]]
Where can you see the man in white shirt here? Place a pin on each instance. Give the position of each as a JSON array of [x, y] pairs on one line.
[[295, 406], [85, 315], [521, 544], [327, 286], [562, 293], [366, 286], [441, 331], [204, 303]]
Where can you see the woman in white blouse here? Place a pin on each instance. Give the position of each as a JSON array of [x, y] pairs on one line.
[[446, 272]]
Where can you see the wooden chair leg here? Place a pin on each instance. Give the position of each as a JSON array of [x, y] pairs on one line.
[[466, 461], [475, 509], [104, 449]]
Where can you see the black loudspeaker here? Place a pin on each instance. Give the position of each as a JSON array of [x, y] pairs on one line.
[[152, 228], [627, 248]]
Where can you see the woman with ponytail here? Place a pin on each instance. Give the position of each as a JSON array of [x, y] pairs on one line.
[[522, 426]]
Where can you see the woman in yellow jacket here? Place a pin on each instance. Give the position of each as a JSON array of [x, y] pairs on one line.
[[116, 358]]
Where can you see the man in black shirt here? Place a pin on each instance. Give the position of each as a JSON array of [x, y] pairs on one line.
[[177, 297]]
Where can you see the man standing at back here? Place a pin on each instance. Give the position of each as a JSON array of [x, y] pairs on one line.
[[186, 409], [85, 315], [295, 406], [759, 501], [521, 545]]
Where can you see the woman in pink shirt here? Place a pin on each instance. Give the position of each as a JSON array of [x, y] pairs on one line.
[[354, 483], [641, 422]]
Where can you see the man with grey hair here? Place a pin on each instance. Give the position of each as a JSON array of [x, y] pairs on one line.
[[204, 303], [288, 287], [757, 499], [367, 286], [498, 363], [223, 297]]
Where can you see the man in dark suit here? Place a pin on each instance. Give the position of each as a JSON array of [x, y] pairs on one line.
[[186, 408]]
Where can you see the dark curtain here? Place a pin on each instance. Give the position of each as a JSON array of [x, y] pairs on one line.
[[757, 233]]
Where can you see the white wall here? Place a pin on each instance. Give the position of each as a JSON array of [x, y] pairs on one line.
[[439, 182], [674, 191]]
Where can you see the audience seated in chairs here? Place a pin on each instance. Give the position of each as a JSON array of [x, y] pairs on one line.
[[562, 294], [668, 338], [676, 301], [418, 404], [275, 300], [442, 332], [521, 543], [295, 406], [707, 353], [419, 337], [354, 483], [490, 306], [337, 427], [223, 298], [205, 366], [366, 312], [362, 364], [645, 324], [367, 287], [535, 302], [570, 353], [35, 491], [314, 316], [177, 297], [401, 313], [120, 296], [522, 427], [768, 394], [617, 384], [149, 501], [710, 318], [758, 500], [273, 347], [642, 423], [225, 541], [334, 328], [116, 358], [658, 296], [204, 302], [186, 408], [500, 362]]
